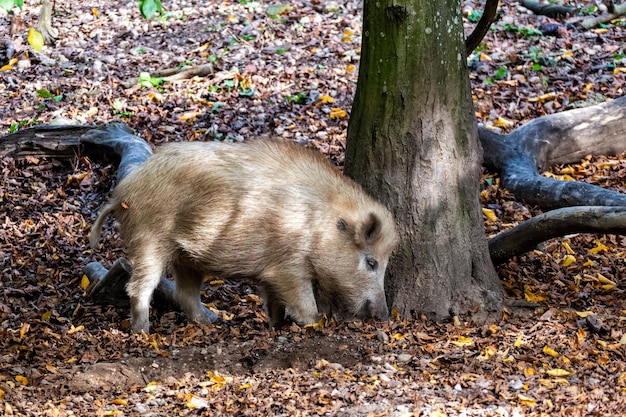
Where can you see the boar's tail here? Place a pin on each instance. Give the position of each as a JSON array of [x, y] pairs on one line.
[[94, 236]]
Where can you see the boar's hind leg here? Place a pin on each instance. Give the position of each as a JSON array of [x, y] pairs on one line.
[[144, 280], [187, 294], [275, 308]]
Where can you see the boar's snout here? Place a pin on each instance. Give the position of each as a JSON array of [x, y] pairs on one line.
[[376, 308]]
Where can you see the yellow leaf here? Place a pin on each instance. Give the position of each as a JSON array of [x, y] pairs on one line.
[[21, 379], [599, 248], [490, 214], [350, 68], [490, 351], [397, 336], [253, 298], [247, 385], [529, 372], [619, 70], [526, 400], [152, 386], [189, 115], [456, 321], [604, 280], [559, 372], [95, 12], [84, 282], [584, 314], [588, 87], [337, 112], [568, 260], [549, 351], [46, 316], [542, 98], [484, 57], [518, 341], [92, 111], [581, 334], [327, 99], [196, 402], [35, 39], [463, 341], [120, 401], [216, 282], [51, 368], [600, 30], [502, 122], [531, 296], [566, 245], [568, 54], [73, 329], [24, 329], [7, 67]]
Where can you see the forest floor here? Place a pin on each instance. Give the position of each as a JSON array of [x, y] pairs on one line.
[[290, 73]]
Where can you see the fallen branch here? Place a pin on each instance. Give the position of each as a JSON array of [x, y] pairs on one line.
[[66, 142], [593, 21], [176, 74]]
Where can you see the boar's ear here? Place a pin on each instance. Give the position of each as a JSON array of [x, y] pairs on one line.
[[369, 230]]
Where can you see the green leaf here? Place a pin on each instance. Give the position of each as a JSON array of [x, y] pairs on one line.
[[501, 73], [149, 8], [8, 5], [43, 93], [274, 10]]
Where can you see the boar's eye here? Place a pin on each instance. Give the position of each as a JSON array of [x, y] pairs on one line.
[[372, 264]]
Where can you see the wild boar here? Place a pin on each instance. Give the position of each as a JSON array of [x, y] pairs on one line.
[[268, 211]]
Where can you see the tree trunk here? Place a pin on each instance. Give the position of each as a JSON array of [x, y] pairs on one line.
[[413, 144]]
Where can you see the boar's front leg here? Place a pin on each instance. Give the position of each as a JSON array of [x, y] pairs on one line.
[[298, 298], [187, 294]]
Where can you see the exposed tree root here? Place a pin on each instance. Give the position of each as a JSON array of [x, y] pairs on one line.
[[561, 222], [557, 139], [111, 285]]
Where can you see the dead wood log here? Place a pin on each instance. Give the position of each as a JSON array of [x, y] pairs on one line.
[[67, 142]]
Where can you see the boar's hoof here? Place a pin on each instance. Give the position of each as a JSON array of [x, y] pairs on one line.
[[207, 317]]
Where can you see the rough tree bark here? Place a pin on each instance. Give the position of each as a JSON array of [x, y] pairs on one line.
[[412, 143]]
